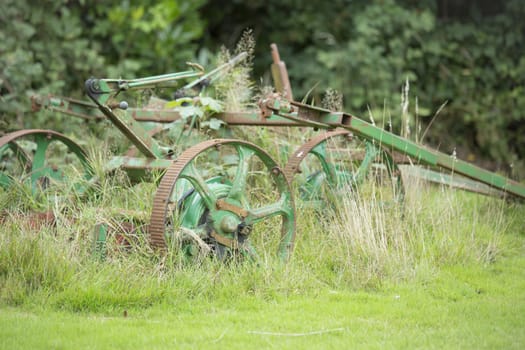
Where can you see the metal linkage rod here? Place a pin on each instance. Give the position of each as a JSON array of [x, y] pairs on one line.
[[125, 123], [90, 111], [120, 84], [217, 72]]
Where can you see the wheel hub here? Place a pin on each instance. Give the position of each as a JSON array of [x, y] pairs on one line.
[[228, 223]]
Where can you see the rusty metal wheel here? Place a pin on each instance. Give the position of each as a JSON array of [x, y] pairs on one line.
[[40, 158], [335, 159], [214, 197]]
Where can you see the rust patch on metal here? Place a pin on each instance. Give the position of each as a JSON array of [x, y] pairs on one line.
[[223, 205]]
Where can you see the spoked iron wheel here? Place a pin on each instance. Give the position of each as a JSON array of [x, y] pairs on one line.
[[335, 161], [39, 158], [215, 196]]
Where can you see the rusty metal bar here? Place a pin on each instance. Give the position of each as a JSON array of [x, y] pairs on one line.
[[280, 74], [90, 111]]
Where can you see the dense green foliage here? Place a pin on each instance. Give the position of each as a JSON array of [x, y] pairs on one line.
[[53, 46], [467, 55]]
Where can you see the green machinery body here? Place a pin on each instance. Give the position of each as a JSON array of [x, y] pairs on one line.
[[214, 212]]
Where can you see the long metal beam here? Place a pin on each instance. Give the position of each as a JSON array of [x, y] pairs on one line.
[[90, 111], [308, 115], [431, 157]]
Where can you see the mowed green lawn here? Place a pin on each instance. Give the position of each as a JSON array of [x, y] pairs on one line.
[[459, 307]]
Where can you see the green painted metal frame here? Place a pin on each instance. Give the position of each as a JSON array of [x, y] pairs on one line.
[[304, 115], [274, 111], [102, 91], [136, 124], [453, 180]]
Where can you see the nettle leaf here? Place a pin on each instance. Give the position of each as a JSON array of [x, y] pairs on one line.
[[213, 123], [211, 104], [190, 111]]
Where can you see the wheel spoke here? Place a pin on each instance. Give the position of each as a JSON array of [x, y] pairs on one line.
[[239, 182], [191, 174], [19, 153], [38, 166], [370, 154], [329, 174], [181, 190], [320, 152], [268, 211], [19, 156]]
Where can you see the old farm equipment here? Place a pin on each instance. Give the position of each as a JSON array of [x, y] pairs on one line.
[[201, 209], [212, 195]]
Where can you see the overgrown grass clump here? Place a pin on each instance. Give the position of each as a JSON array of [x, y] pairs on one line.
[[370, 243], [354, 243]]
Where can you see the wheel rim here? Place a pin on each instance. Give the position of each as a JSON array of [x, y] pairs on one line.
[[220, 211], [35, 167]]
